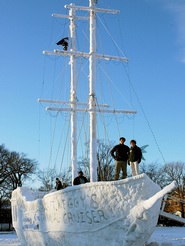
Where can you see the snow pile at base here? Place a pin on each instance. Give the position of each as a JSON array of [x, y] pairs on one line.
[[162, 236], [104, 213], [167, 236], [9, 239]]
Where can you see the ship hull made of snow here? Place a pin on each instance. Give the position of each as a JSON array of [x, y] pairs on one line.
[[102, 213]]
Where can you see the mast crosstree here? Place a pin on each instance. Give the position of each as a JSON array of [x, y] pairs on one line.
[[92, 107]]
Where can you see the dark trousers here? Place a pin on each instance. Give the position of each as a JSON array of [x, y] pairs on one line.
[[121, 165]]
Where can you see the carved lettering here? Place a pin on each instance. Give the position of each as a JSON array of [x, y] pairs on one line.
[[65, 218], [101, 215], [70, 217], [82, 217], [64, 204], [95, 217], [89, 217], [83, 201], [76, 202], [94, 203], [70, 203], [84, 210]]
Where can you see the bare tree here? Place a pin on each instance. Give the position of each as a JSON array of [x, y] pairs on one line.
[[19, 168], [5, 195], [66, 176], [4, 155], [47, 178], [176, 171], [14, 169], [155, 172], [105, 161]]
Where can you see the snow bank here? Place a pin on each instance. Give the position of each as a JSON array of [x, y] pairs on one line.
[[10, 239], [168, 236], [102, 213], [162, 236]]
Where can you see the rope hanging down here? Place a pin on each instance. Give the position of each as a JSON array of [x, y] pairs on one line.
[[149, 126], [127, 74]]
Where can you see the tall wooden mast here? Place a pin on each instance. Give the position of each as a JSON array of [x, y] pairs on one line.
[[91, 106], [92, 92], [73, 95]]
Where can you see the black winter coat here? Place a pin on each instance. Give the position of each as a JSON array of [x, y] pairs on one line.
[[58, 185], [80, 180], [122, 152], [135, 154]]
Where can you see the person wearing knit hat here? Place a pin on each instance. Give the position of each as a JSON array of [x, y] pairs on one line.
[[80, 179]]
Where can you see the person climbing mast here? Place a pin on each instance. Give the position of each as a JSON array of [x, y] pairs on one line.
[[64, 43]]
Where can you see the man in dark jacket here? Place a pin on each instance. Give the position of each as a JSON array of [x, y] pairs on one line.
[[135, 156], [81, 179], [120, 153], [58, 184]]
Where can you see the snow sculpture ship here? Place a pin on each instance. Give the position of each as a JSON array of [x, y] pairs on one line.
[[113, 213]]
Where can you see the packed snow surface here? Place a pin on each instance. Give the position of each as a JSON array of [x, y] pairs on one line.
[[168, 236], [162, 236], [9, 239]]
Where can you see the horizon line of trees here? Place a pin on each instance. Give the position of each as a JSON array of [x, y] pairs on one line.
[[16, 168]]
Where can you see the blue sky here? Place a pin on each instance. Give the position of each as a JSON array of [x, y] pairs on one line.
[[152, 34]]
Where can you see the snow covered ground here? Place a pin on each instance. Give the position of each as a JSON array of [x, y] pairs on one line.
[[168, 236], [163, 236], [9, 239]]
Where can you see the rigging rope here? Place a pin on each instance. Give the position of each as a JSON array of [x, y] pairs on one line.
[[51, 34], [117, 89], [67, 136], [40, 106], [64, 24], [102, 119], [127, 74], [148, 123], [110, 81], [52, 141], [61, 138], [123, 64], [145, 116], [115, 43]]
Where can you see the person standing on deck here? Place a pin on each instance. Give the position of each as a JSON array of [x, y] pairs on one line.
[[58, 184], [120, 153], [135, 156], [80, 179]]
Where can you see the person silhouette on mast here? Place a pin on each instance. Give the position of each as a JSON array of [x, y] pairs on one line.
[[64, 42]]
